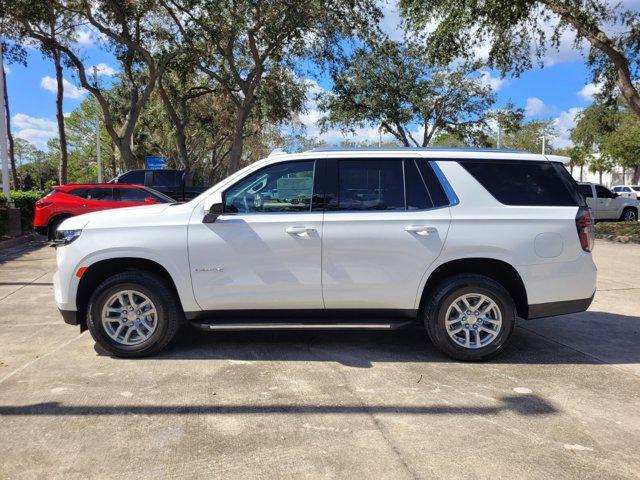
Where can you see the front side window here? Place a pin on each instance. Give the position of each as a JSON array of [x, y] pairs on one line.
[[618, 189], [370, 185], [285, 187], [603, 192]]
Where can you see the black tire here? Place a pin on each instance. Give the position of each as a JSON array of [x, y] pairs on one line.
[[631, 212], [438, 302], [53, 226], [170, 317]]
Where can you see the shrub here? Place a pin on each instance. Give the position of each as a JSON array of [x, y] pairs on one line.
[[26, 202]]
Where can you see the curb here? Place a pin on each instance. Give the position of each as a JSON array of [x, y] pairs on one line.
[[618, 238], [23, 239]]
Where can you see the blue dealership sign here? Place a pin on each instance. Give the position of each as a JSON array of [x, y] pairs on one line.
[[156, 163]]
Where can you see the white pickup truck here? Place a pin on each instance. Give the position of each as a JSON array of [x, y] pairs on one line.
[[607, 205]]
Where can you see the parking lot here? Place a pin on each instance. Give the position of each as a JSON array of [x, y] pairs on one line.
[[562, 402]]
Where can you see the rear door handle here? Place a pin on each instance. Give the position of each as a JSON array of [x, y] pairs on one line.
[[420, 229], [299, 230]]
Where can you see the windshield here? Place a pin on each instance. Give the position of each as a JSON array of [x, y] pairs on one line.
[[636, 188]]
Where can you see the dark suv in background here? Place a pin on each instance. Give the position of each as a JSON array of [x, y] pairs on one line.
[[169, 182]]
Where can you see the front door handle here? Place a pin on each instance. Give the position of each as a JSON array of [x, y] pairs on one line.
[[420, 229], [299, 230]]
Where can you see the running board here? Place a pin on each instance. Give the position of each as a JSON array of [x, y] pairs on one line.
[[237, 326]]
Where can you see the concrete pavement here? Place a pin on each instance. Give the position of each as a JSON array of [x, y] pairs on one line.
[[562, 402]]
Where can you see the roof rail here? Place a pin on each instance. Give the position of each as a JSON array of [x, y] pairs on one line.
[[431, 149]]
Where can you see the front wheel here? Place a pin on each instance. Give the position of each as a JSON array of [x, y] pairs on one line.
[[134, 314], [470, 317]]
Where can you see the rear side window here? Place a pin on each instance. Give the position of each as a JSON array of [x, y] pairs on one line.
[[370, 185], [585, 190], [78, 192], [523, 183], [103, 194]]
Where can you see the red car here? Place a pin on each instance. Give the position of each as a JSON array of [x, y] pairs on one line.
[[69, 200]]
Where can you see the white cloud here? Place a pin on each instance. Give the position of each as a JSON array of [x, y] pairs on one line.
[[535, 107], [70, 90], [102, 69], [391, 20], [35, 130], [495, 83], [590, 90], [563, 124], [7, 69], [85, 38]]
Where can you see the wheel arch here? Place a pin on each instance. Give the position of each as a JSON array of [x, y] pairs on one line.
[[99, 271], [498, 270], [58, 217]]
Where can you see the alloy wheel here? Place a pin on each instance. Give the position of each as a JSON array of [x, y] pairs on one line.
[[129, 317], [473, 320]]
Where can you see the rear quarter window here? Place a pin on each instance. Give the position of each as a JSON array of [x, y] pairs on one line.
[[524, 183]]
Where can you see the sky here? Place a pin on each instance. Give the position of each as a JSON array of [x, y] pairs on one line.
[[557, 92]]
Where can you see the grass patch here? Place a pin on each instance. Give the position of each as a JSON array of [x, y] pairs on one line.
[[619, 229]]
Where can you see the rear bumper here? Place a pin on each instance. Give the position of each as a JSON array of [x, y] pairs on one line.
[[551, 309], [70, 317]]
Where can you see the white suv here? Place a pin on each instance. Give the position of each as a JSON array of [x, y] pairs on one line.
[[460, 241]]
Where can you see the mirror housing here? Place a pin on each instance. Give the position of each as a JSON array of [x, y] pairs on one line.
[[149, 200], [214, 207]]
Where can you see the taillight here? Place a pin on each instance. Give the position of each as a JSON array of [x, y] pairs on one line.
[[41, 204], [584, 224]]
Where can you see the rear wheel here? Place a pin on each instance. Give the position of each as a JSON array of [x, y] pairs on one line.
[[134, 314], [629, 215], [470, 317]]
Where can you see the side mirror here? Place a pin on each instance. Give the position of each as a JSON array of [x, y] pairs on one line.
[[149, 200], [214, 208]]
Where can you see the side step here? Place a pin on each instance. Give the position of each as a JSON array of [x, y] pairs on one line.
[[221, 325]]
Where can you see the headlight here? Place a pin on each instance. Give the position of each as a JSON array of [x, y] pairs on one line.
[[65, 237]]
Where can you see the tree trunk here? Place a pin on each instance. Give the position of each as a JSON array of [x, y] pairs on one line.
[[571, 170], [112, 158], [12, 154], [581, 170], [126, 153], [64, 159], [235, 155], [636, 175], [600, 176]]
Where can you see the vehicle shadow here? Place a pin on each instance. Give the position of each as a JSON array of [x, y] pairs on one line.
[[525, 405], [585, 338]]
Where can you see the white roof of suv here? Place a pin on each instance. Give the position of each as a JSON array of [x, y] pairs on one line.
[[431, 152]]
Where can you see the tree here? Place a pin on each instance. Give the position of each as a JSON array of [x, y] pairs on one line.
[[623, 144], [388, 84], [529, 137], [508, 119], [579, 158], [594, 123], [517, 33], [135, 35], [600, 164], [243, 45]]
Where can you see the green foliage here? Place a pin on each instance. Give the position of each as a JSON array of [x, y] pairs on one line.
[[26, 202], [388, 84], [623, 144], [594, 123], [618, 229], [518, 37], [529, 137]]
